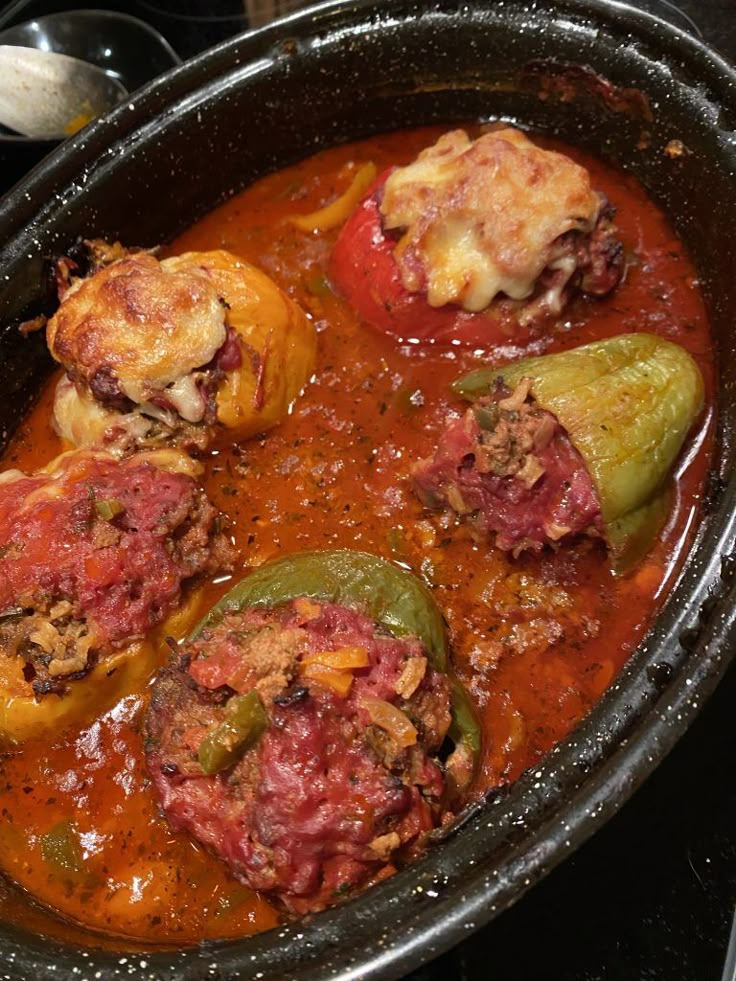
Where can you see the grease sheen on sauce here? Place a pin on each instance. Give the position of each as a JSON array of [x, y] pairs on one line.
[[536, 640]]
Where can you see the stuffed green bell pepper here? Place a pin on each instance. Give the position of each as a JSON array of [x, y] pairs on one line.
[[302, 731], [580, 442]]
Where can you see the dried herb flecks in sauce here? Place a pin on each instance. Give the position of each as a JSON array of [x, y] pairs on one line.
[[536, 640]]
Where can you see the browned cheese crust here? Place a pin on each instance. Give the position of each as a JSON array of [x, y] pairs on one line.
[[136, 327], [484, 217]]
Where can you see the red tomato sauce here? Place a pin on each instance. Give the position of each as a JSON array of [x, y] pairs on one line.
[[537, 640]]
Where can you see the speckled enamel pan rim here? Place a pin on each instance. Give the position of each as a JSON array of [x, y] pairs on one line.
[[516, 837]]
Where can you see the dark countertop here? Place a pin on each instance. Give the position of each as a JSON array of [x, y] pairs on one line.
[[650, 897], [716, 20]]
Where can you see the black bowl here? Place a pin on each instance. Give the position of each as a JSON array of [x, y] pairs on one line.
[[125, 47], [342, 71]]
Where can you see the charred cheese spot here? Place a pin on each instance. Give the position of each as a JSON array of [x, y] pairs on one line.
[[481, 218], [135, 328]]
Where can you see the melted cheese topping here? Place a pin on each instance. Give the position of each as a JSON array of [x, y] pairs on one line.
[[151, 327], [145, 325], [78, 418], [277, 343], [480, 218], [82, 422]]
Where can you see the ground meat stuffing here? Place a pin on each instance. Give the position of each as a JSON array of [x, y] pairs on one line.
[[592, 264], [92, 555], [101, 416], [341, 782], [136, 430], [509, 468]]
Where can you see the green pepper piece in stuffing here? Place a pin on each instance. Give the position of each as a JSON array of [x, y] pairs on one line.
[[245, 720], [627, 403]]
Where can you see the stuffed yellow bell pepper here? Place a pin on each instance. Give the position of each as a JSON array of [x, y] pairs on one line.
[[94, 556], [175, 352]]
